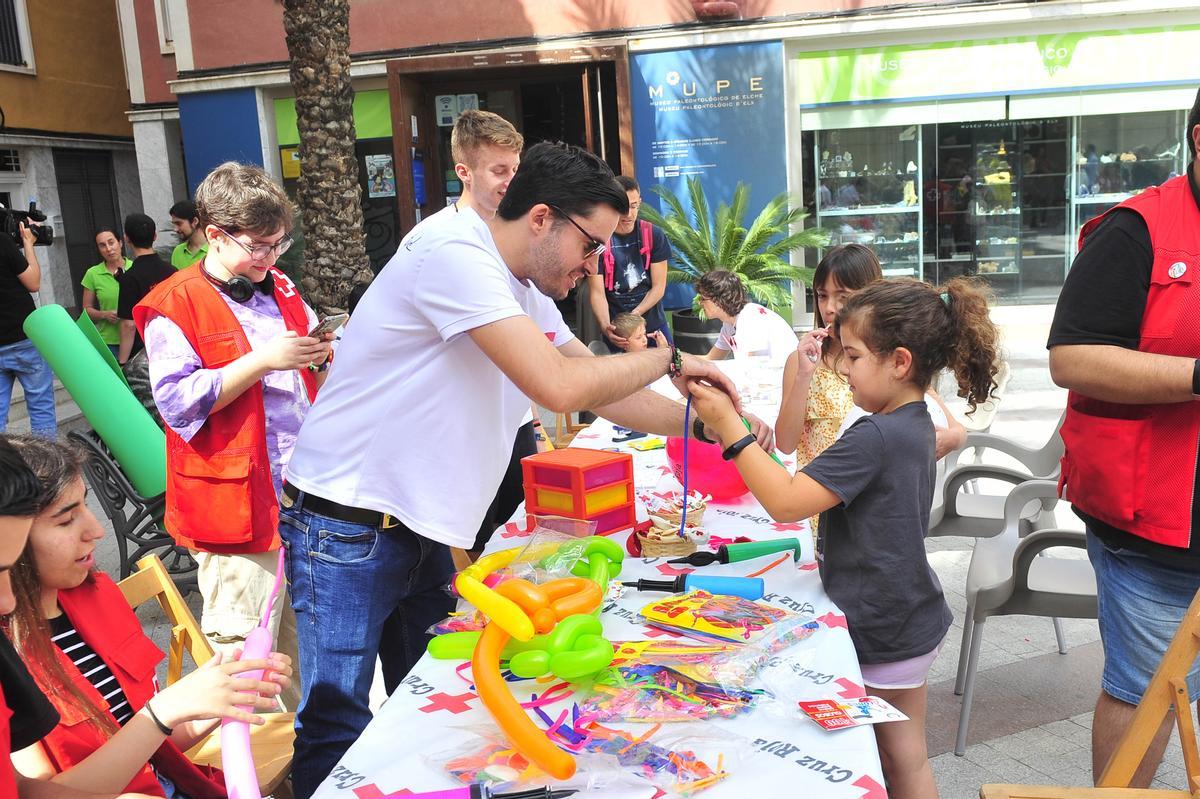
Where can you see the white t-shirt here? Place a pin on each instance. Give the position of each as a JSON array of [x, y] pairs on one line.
[[414, 420], [758, 331], [450, 215]]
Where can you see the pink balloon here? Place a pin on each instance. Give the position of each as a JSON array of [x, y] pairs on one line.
[[708, 472], [237, 761]]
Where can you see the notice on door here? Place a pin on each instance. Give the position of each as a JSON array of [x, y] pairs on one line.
[[381, 176]]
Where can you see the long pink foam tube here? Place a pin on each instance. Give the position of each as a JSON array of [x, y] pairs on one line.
[[237, 761]]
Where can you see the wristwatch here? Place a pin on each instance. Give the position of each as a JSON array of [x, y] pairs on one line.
[[698, 431]]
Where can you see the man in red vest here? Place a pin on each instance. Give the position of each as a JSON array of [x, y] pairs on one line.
[[234, 372], [1126, 343]]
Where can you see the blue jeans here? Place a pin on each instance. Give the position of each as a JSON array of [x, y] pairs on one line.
[[346, 580], [21, 361], [1141, 602]]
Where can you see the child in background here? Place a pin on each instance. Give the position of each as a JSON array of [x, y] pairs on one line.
[[815, 397], [632, 328], [874, 486]]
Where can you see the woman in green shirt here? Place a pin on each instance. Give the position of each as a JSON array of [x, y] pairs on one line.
[[101, 285]]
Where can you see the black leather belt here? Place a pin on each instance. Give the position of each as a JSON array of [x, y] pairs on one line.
[[343, 513]]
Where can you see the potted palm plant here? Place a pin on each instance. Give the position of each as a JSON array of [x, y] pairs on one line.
[[704, 241]]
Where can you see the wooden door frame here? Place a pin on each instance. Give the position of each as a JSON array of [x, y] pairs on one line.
[[491, 67]]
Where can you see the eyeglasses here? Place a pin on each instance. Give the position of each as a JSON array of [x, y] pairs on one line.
[[595, 246], [260, 252]]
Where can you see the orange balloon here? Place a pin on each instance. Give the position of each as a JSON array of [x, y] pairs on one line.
[[525, 736]]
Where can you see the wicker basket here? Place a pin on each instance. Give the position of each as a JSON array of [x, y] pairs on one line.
[[695, 516], [662, 543]]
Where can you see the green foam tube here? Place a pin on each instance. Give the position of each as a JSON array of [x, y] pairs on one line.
[[136, 442], [90, 332], [774, 457], [756, 549]]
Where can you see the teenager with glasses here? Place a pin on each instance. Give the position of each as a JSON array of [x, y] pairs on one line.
[[632, 274], [233, 373]]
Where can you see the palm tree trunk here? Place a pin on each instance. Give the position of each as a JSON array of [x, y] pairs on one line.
[[335, 256]]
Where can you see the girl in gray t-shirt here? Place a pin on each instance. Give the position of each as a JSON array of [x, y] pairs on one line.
[[874, 487]]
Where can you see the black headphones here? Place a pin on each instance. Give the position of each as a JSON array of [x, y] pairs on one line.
[[239, 288]]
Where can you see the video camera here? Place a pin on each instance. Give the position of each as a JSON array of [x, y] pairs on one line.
[[10, 221]]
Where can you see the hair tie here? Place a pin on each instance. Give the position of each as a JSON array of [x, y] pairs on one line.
[[945, 295]]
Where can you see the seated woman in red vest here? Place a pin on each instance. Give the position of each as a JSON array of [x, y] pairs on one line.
[[86, 650]]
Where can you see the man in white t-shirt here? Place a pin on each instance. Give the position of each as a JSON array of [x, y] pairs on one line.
[[407, 442], [486, 149], [747, 329]]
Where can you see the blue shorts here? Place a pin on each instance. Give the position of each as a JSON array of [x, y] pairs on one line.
[[1141, 602]]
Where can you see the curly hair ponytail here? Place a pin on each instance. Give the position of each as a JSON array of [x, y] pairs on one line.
[[945, 327], [974, 354]]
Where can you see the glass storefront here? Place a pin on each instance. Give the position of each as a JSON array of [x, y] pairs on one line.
[[1000, 199]]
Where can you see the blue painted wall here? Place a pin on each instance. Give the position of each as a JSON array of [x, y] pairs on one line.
[[217, 127], [715, 112]]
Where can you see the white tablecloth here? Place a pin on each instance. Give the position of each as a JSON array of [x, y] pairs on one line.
[[428, 716]]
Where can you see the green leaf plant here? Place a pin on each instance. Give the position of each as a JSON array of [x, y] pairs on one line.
[[704, 241]]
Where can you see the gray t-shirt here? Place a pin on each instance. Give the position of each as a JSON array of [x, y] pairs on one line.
[[872, 546]]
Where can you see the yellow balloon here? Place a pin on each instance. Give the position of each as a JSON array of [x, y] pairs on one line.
[[507, 615]]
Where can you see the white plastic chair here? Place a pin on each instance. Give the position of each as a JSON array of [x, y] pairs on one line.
[[978, 515], [1006, 577]]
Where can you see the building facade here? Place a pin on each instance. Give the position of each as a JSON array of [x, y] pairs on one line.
[[954, 138], [65, 140]]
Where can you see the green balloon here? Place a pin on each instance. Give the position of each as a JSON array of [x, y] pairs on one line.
[[135, 441]]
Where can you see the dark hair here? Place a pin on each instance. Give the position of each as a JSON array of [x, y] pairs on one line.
[[107, 229], [139, 229], [565, 176], [723, 288], [20, 490], [628, 183], [852, 266], [1193, 121], [942, 327], [53, 465], [56, 465], [356, 294], [184, 209]]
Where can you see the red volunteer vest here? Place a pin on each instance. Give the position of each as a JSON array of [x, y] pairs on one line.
[[220, 497], [8, 779], [103, 619], [1134, 466], [610, 263]]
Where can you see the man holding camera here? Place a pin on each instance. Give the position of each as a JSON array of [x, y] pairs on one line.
[[20, 277]]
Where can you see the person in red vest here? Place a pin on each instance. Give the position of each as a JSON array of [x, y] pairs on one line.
[[633, 273], [233, 372], [1126, 343], [86, 650]]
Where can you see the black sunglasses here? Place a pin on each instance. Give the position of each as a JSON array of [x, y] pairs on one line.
[[595, 246]]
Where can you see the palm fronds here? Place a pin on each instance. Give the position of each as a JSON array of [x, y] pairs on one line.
[[705, 240]]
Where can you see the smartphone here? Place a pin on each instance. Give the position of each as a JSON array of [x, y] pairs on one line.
[[629, 436], [328, 324]]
